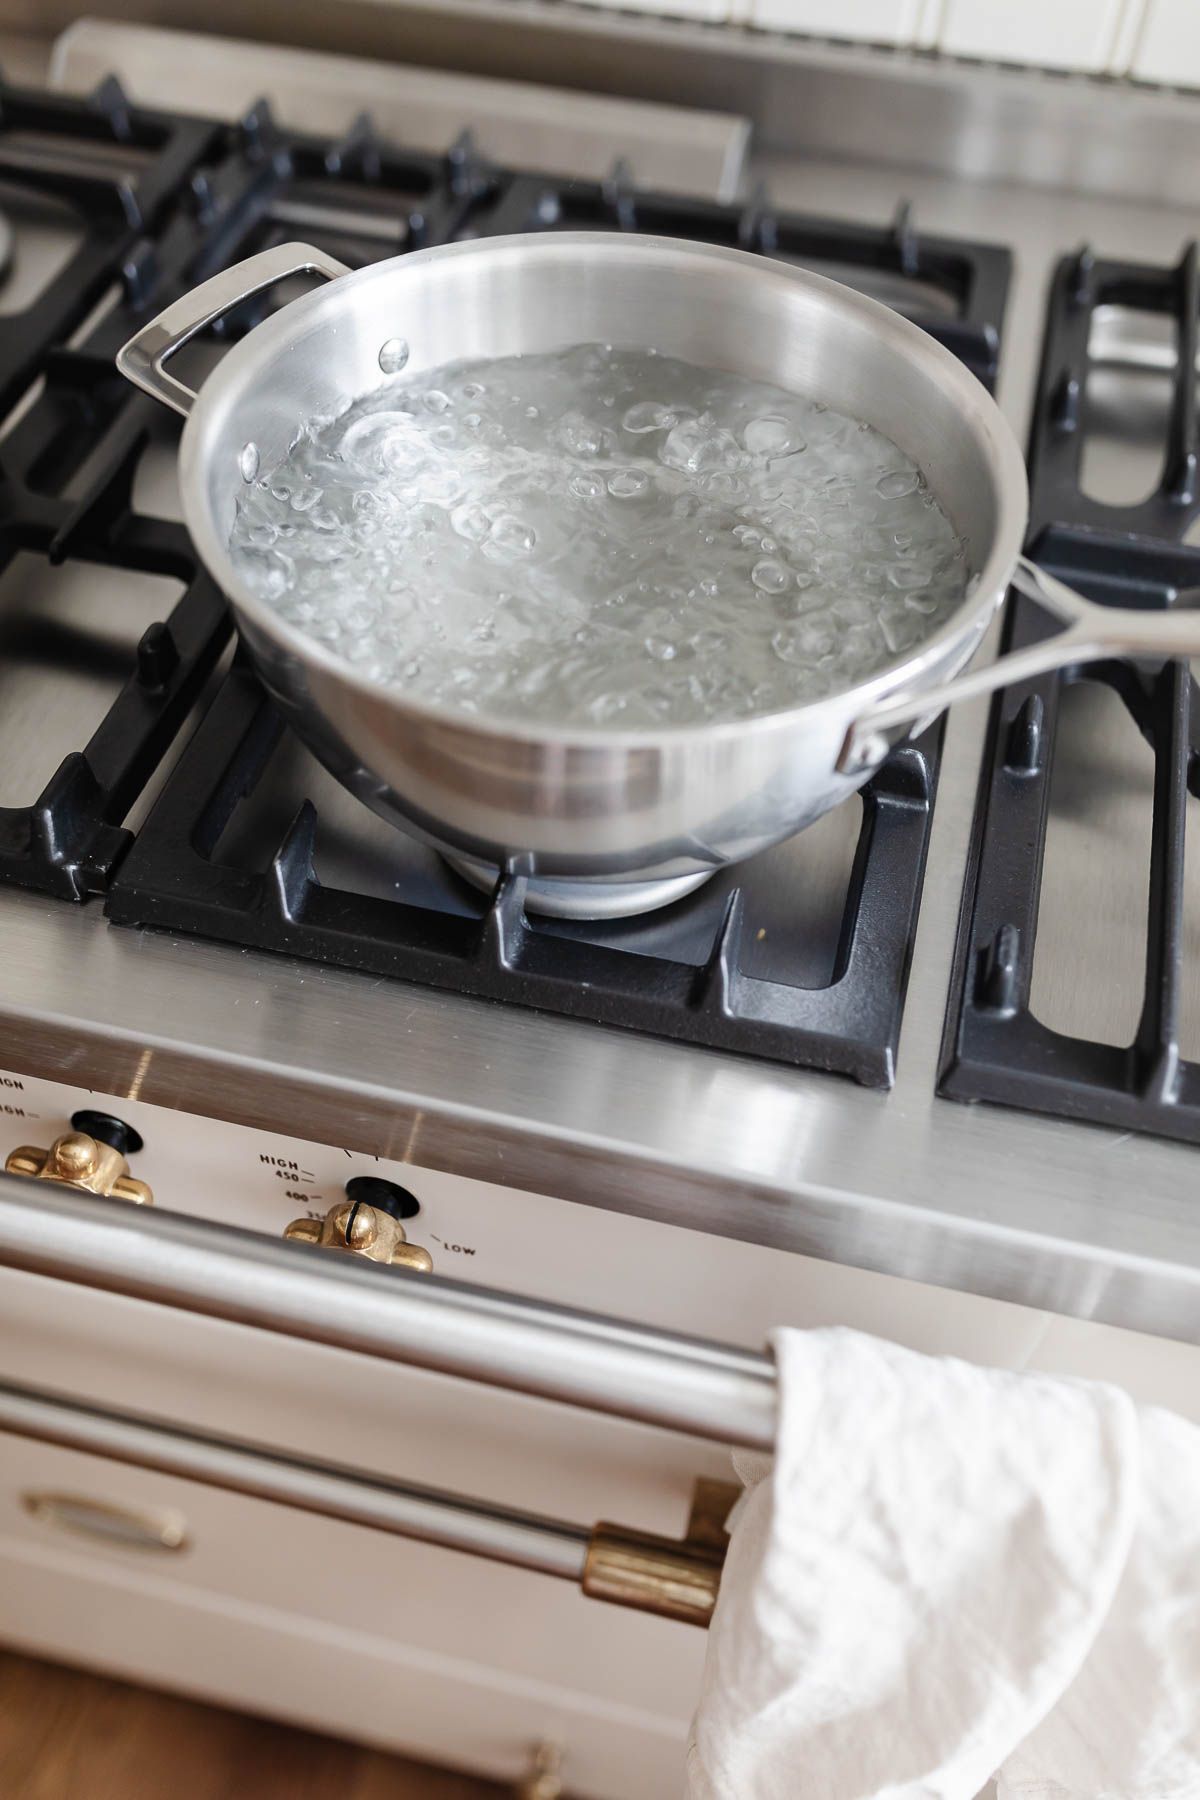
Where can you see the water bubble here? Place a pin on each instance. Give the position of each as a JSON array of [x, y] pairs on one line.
[[897, 483], [627, 484], [580, 435], [771, 576], [437, 401], [772, 435], [662, 649], [648, 415], [806, 641], [698, 447], [587, 487], [471, 522], [269, 573], [248, 461], [393, 355], [909, 575], [606, 707], [511, 533], [473, 390]]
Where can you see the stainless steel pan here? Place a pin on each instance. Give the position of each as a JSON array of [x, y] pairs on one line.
[[623, 819]]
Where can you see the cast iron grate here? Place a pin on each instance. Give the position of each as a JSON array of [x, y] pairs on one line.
[[171, 878], [994, 1047], [68, 839], [197, 197]]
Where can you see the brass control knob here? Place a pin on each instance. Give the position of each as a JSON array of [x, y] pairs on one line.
[[93, 1163], [367, 1223]]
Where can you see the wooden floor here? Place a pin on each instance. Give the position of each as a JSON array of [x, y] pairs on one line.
[[70, 1736]]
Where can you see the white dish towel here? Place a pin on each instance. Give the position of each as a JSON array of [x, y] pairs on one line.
[[952, 1573]]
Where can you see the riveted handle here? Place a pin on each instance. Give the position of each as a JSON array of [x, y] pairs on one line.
[[142, 360], [1092, 632]]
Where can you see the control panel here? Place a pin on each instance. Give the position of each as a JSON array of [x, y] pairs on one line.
[[391, 1211], [122, 1148]]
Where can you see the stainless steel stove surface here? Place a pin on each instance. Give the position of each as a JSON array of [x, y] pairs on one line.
[[227, 821]]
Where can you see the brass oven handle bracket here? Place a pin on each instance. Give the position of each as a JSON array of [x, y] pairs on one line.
[[677, 1578], [142, 359]]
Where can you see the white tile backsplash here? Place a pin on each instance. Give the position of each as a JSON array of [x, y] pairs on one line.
[[1167, 44], [1153, 40], [1058, 34], [877, 21]]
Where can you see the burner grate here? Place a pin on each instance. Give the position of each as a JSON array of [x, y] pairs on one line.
[[1122, 555], [172, 878], [68, 839]]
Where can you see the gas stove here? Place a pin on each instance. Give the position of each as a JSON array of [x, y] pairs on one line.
[[198, 915]]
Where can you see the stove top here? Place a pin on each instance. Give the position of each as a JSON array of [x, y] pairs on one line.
[[802, 956], [1092, 1214]]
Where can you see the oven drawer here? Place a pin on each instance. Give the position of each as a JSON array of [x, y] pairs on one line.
[[339, 1628]]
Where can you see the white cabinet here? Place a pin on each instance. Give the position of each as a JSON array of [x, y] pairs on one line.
[[344, 1630], [1056, 34], [1167, 44], [876, 21]]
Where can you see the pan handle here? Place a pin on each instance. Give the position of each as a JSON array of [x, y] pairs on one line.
[[141, 360], [1092, 633]]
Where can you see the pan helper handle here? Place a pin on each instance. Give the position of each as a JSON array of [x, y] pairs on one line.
[[142, 359], [1091, 633]]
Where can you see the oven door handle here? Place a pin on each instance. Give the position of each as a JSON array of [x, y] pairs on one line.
[[630, 1371], [676, 1578]]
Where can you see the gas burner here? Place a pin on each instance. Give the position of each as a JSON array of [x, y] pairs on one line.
[[592, 899]]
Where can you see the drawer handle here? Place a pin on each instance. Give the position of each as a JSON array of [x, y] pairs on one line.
[[122, 1526], [544, 1779]]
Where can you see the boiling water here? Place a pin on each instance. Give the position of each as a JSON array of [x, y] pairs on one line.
[[598, 537]]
